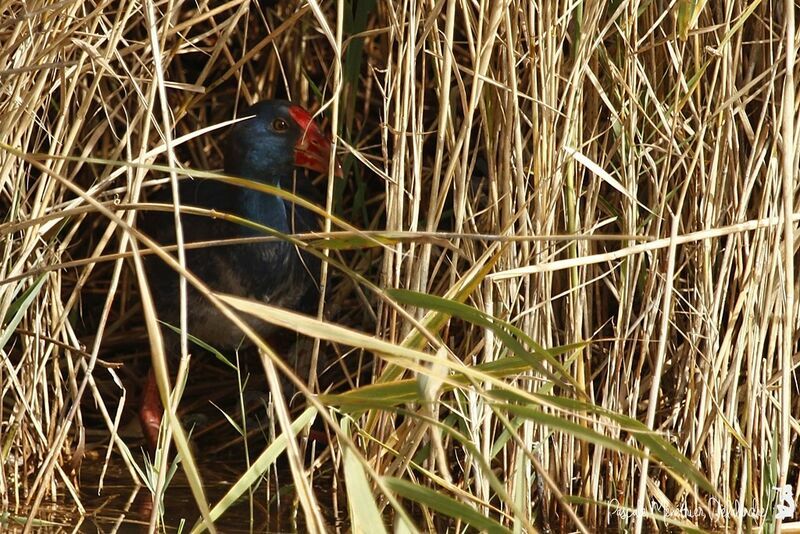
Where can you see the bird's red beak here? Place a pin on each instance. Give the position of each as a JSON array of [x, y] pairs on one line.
[[313, 150]]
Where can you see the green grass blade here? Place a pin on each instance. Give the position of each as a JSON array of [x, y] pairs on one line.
[[252, 476], [444, 505], [18, 308], [364, 512]]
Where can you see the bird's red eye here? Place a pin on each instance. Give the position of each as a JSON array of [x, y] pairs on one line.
[[280, 125]]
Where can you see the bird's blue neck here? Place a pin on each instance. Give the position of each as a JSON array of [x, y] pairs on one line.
[[263, 208]]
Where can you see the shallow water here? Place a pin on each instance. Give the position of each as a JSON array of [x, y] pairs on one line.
[[122, 506]]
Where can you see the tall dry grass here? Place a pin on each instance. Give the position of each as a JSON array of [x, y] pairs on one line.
[[577, 282]]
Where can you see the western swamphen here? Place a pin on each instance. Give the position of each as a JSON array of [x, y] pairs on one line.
[[275, 137]]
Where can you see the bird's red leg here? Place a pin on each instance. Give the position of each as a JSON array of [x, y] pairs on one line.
[[151, 411], [319, 436]]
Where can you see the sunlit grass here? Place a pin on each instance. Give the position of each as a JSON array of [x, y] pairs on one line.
[[560, 280]]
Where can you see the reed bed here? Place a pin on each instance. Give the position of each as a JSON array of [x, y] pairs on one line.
[[561, 264]]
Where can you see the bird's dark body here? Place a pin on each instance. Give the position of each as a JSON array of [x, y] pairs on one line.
[[275, 272]]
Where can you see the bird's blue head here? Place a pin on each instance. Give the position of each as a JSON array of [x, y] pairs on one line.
[[273, 137]]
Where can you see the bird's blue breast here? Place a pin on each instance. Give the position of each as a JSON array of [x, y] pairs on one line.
[[274, 271]]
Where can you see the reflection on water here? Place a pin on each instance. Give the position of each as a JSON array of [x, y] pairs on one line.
[[211, 404], [122, 507]]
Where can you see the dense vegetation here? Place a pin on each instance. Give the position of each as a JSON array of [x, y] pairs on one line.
[[561, 262]]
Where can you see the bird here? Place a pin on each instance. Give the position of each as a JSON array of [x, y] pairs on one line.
[[273, 138]]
